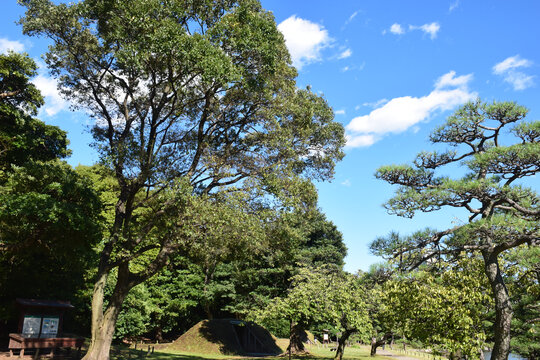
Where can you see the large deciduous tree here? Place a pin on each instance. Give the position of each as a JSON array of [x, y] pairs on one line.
[[498, 151], [188, 98]]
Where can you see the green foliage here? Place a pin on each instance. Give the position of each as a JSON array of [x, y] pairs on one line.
[[444, 312], [224, 277], [22, 137], [291, 240], [49, 215], [322, 295], [135, 316], [46, 204], [324, 245], [17, 93], [523, 279]]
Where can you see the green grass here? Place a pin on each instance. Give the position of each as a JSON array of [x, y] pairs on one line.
[[316, 353]]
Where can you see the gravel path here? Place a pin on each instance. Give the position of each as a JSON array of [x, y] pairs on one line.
[[394, 355]]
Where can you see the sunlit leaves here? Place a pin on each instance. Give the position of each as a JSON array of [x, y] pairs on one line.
[[323, 295], [443, 312]]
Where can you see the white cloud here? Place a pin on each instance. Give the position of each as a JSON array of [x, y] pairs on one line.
[[345, 54], [508, 68], [346, 183], [304, 39], [54, 103], [450, 80], [453, 6], [397, 29], [345, 68], [361, 140], [339, 112], [519, 80], [374, 104], [6, 45], [400, 114], [509, 63], [430, 29]]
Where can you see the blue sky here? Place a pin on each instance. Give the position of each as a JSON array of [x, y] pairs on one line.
[[391, 70]]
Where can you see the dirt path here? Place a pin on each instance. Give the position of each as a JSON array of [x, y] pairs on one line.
[[394, 355]]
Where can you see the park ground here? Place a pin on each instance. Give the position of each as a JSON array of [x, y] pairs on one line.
[[315, 353]]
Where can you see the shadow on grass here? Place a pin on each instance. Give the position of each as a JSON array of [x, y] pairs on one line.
[[140, 355], [130, 354], [351, 353]]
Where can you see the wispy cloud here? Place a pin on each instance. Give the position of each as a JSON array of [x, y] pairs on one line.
[[346, 183], [345, 54], [353, 15], [356, 67], [400, 114], [304, 39], [340, 112], [509, 63], [13, 45], [508, 68], [374, 104], [429, 29], [453, 6]]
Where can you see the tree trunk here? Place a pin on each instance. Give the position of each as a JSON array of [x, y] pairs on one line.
[[375, 344], [159, 335], [100, 345], [295, 339], [208, 276], [503, 307], [208, 311], [341, 344], [104, 322]]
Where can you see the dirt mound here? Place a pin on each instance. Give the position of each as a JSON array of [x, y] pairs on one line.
[[227, 337]]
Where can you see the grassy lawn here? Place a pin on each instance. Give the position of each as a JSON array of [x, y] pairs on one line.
[[315, 354]]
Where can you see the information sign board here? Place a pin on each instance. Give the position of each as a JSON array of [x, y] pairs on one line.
[[49, 327], [31, 326]]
